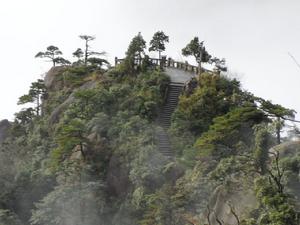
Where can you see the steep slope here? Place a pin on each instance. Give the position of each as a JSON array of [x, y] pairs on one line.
[[94, 155]]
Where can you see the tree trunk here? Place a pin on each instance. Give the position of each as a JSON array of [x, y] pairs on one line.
[[199, 67], [278, 130], [199, 63], [38, 105], [81, 150], [86, 52]]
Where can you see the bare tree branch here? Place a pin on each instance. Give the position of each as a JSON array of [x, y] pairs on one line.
[[294, 59]]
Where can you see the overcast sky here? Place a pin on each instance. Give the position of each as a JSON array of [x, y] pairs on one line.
[[254, 36]]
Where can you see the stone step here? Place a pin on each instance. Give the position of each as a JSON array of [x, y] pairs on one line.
[[168, 111], [166, 126], [174, 93], [169, 151], [169, 107], [171, 104], [172, 101], [174, 90], [164, 144], [168, 114], [174, 85], [161, 142], [164, 119], [172, 107], [166, 150], [174, 98], [163, 137]]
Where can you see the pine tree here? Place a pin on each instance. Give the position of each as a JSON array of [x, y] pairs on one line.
[[35, 95], [53, 53], [158, 42], [197, 49], [87, 51]]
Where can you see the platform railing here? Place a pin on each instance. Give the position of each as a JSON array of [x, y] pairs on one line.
[[167, 63]]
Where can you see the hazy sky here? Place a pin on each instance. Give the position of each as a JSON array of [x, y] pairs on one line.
[[254, 36]]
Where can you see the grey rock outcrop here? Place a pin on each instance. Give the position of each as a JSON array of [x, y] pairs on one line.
[[51, 77], [4, 126], [55, 115]]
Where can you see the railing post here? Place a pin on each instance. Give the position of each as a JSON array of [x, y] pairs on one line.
[[116, 61], [163, 61], [169, 62]]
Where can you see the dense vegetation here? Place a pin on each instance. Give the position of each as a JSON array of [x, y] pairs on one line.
[[84, 149]]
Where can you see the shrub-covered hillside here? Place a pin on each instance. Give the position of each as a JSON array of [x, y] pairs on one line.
[[84, 150]]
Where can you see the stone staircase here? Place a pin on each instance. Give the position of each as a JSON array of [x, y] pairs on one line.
[[164, 119]]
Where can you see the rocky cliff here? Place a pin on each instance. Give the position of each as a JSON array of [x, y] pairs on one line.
[[4, 127]]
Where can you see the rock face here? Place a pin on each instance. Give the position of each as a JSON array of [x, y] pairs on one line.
[[240, 199], [50, 79], [243, 199], [117, 177], [286, 149], [55, 115], [4, 126]]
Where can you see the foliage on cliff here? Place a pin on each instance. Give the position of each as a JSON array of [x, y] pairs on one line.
[[84, 151]]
